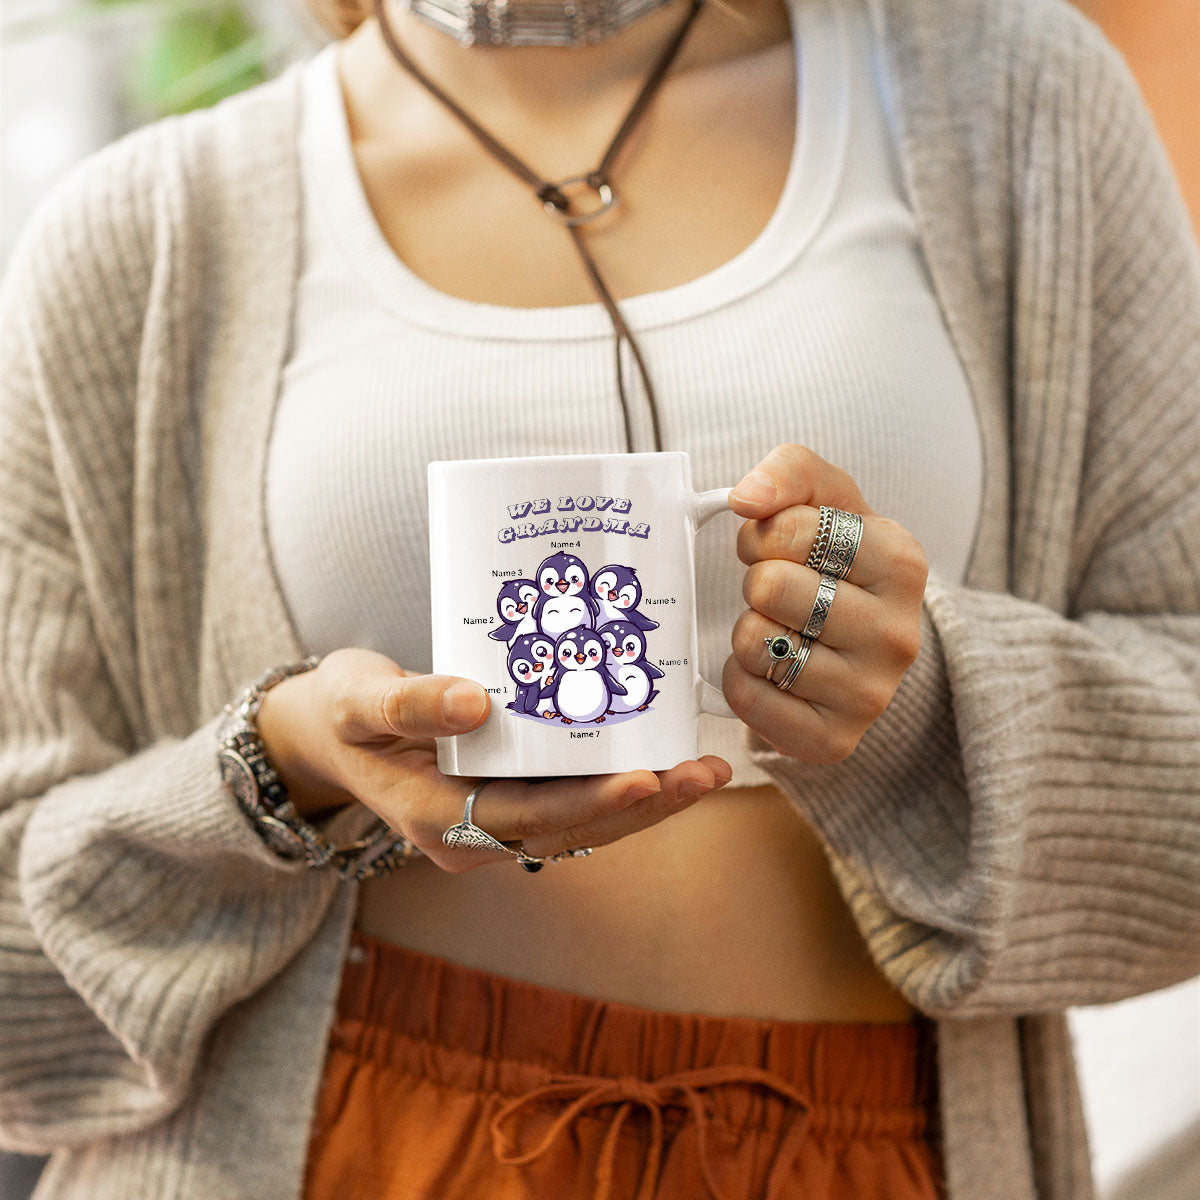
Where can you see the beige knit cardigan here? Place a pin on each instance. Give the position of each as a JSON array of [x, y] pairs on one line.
[[1019, 832]]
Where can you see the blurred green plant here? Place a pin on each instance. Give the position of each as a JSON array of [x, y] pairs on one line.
[[196, 56], [189, 53]]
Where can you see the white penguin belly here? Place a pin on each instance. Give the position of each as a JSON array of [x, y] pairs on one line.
[[582, 696], [636, 683], [563, 613], [526, 625], [609, 611]]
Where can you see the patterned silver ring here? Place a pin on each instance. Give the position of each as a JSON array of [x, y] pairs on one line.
[[779, 649], [820, 547], [468, 836], [826, 591], [839, 535], [806, 645]]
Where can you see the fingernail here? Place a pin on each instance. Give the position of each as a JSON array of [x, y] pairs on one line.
[[639, 791], [463, 705], [693, 787], [756, 488]]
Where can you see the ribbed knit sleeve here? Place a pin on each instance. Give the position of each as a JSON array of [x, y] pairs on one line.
[[1020, 831], [136, 903]]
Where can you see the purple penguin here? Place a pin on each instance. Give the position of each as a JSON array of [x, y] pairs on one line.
[[530, 662], [628, 662], [564, 600], [515, 606], [618, 593], [583, 686]]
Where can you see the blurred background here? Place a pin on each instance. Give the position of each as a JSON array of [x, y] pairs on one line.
[[74, 74]]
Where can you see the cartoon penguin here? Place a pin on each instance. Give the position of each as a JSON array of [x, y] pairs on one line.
[[619, 593], [515, 606], [627, 661], [583, 686], [564, 601], [529, 661]]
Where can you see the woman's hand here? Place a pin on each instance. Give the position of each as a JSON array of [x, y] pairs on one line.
[[357, 727], [871, 636]]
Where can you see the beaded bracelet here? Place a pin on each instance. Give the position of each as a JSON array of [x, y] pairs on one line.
[[262, 795]]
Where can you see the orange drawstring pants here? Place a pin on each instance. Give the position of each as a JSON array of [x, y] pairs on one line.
[[447, 1083]]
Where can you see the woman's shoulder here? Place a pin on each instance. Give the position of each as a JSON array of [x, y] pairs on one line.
[[1015, 21], [973, 47], [1007, 97]]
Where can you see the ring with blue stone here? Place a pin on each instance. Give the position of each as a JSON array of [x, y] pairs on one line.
[[779, 649]]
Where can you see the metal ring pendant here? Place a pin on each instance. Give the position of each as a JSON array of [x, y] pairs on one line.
[[608, 200]]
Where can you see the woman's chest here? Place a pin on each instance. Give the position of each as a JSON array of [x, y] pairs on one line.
[[695, 184], [864, 376]]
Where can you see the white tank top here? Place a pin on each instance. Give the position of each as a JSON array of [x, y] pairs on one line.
[[825, 330]]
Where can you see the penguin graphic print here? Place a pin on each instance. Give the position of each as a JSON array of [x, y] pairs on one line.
[[530, 666], [627, 662], [578, 644], [618, 593], [583, 686], [515, 605], [564, 601], [565, 585]]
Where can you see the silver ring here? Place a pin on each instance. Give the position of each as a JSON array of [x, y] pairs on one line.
[[820, 547], [826, 591], [532, 863], [779, 649], [839, 535], [806, 645], [466, 834], [844, 542], [603, 190]]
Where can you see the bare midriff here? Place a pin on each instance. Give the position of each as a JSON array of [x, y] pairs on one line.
[[728, 909]]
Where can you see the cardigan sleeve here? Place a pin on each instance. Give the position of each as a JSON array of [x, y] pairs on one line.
[[1020, 830], [137, 905]]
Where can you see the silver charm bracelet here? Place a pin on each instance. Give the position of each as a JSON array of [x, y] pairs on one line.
[[263, 797]]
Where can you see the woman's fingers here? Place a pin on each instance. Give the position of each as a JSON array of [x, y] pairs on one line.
[[373, 700], [865, 628], [554, 815], [809, 730], [833, 682], [681, 787], [889, 561], [784, 593], [849, 677], [875, 629], [793, 474], [521, 810]]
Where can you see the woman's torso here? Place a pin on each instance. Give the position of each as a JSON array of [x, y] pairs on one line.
[[729, 907]]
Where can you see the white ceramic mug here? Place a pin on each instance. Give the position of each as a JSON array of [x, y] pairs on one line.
[[566, 586]]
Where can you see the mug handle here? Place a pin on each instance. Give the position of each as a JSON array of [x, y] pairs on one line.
[[705, 506]]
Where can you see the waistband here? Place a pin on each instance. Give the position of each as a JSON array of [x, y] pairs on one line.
[[468, 1029]]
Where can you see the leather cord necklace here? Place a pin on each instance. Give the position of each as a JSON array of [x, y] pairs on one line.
[[555, 198]]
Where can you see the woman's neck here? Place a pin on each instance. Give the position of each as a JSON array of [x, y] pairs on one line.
[[546, 79]]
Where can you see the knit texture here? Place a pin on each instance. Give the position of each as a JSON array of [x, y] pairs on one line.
[[1017, 833]]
